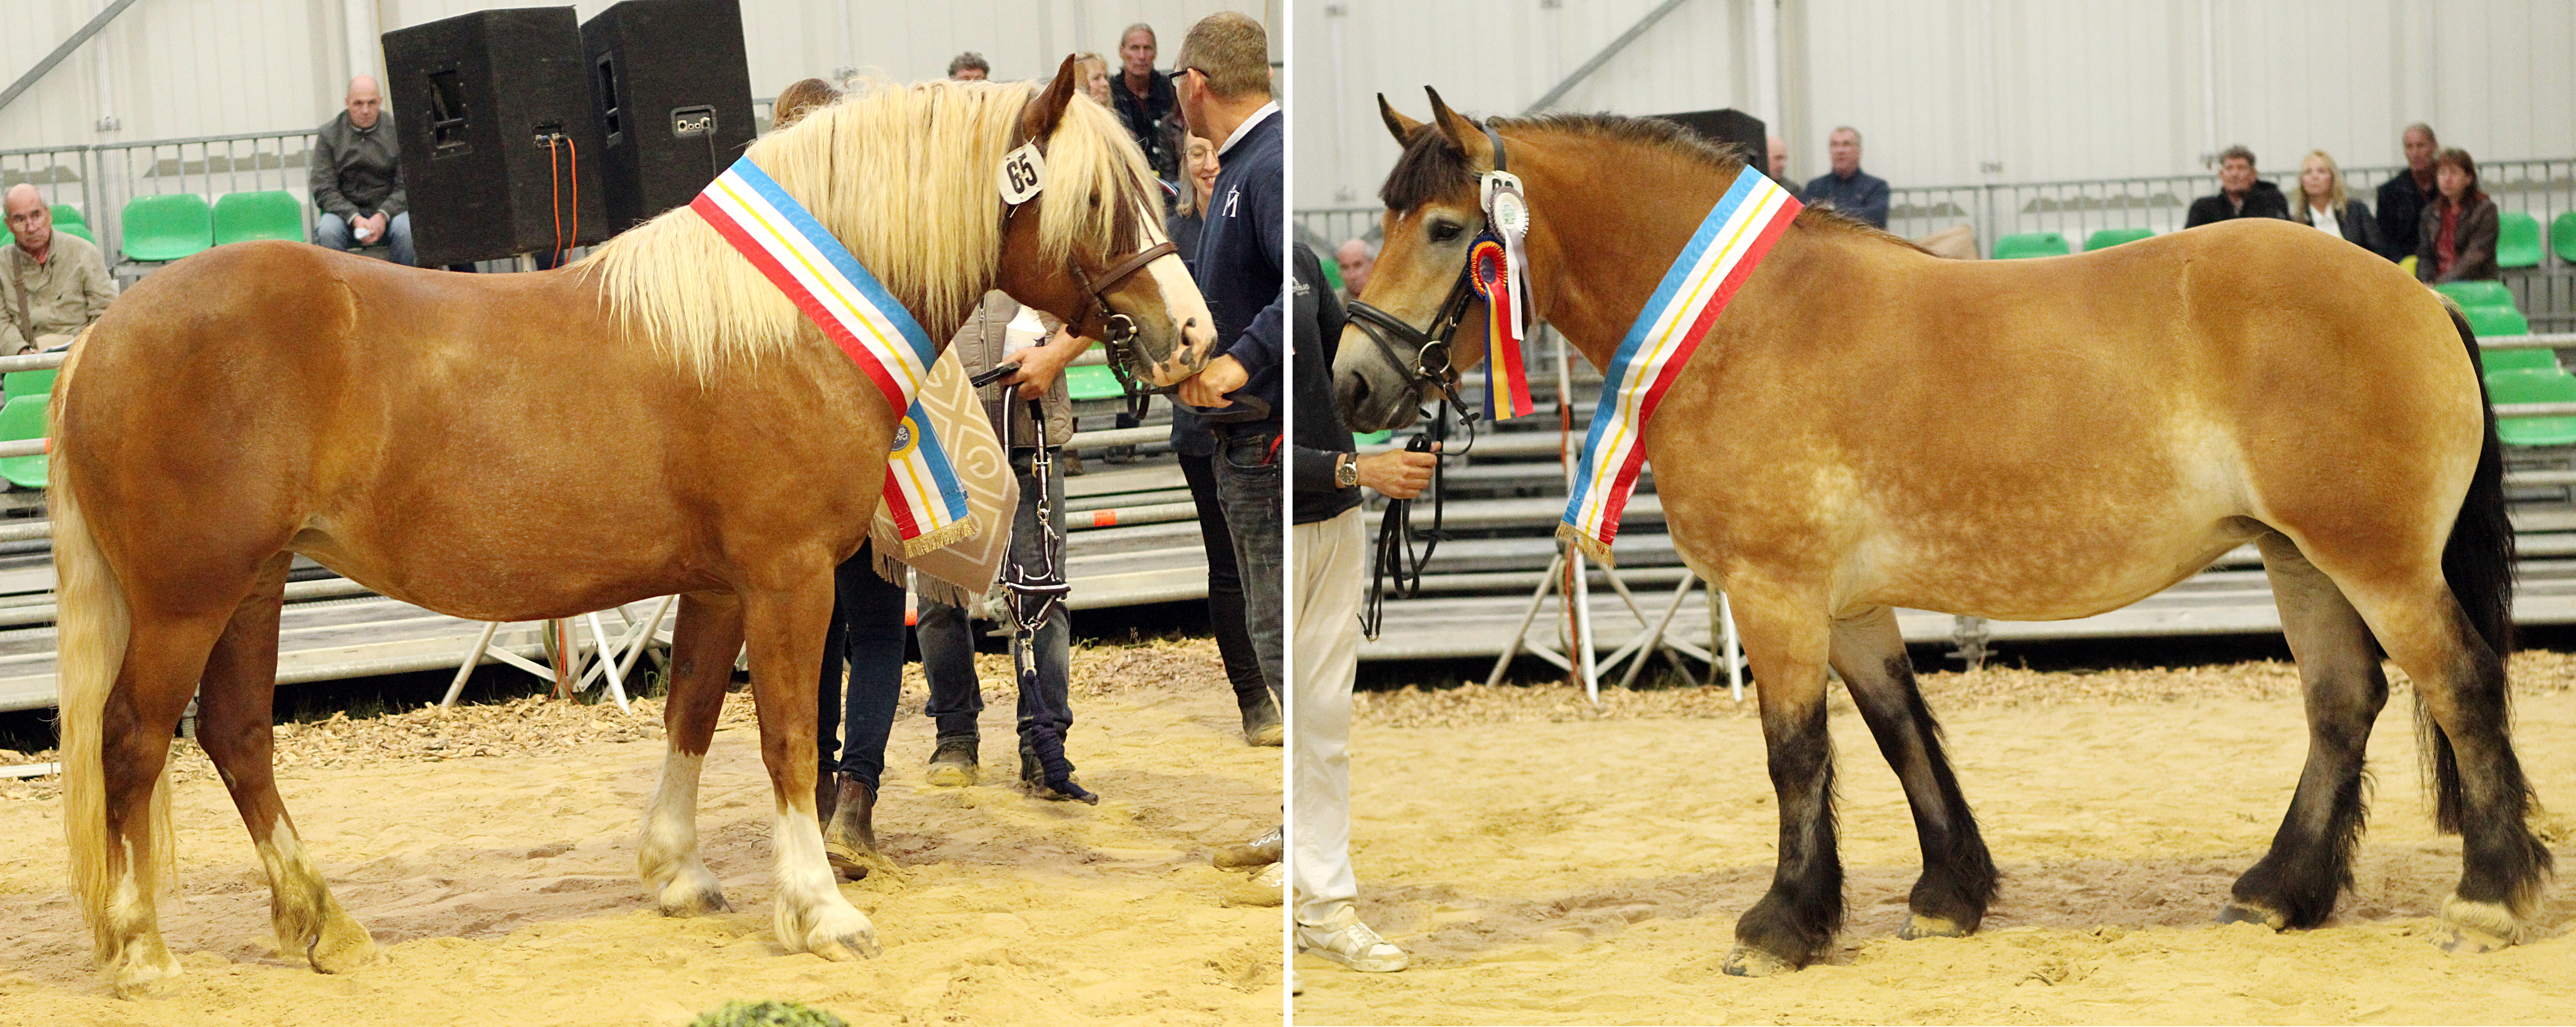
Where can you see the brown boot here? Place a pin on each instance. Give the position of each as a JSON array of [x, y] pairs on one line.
[[852, 829]]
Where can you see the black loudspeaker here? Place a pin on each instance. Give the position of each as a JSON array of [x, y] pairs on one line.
[[671, 92], [496, 132], [1731, 127]]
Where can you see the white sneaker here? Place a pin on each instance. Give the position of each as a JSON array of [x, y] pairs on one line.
[[1347, 941]]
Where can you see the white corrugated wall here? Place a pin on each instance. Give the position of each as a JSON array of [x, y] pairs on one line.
[[1957, 92], [179, 68]]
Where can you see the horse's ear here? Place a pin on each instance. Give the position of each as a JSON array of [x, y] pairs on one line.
[[1402, 127], [1466, 136], [1042, 116]]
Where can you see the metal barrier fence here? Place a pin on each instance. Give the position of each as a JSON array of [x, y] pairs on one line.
[[2542, 188]]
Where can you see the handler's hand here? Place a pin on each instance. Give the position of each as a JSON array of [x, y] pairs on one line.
[[1040, 366], [1399, 473], [1208, 387]]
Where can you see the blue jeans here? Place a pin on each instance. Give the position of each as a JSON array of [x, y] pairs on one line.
[[333, 231], [1225, 584], [948, 639], [1248, 486], [867, 633]]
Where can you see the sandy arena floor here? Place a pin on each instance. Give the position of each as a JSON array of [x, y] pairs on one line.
[[503, 890], [1545, 864]]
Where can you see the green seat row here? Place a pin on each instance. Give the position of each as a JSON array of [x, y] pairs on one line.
[[175, 225], [2519, 360], [2030, 244], [66, 214], [23, 418], [1095, 381], [2109, 237], [2517, 240], [2533, 386], [2479, 293], [2562, 236]]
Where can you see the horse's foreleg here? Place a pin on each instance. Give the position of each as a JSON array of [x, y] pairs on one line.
[[234, 710], [164, 658], [2296, 883], [703, 644], [1786, 640], [785, 631], [1958, 874], [2462, 686]]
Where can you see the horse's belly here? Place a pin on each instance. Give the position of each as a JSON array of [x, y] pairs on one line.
[[2035, 576]]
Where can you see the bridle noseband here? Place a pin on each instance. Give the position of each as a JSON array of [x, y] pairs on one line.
[[1430, 366]]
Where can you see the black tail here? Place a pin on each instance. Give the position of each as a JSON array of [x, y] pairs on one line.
[[2478, 563]]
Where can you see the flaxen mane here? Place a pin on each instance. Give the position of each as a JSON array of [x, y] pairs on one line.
[[1430, 168], [904, 176]]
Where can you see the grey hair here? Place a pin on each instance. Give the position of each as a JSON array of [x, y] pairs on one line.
[[1149, 34], [969, 59]]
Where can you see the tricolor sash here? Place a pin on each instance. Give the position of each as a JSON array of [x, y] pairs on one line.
[[777, 234], [1720, 256]]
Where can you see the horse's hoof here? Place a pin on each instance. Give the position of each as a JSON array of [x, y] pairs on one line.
[[2476, 927], [850, 948], [145, 968], [2240, 913], [1747, 961], [677, 901], [1920, 926], [341, 947]]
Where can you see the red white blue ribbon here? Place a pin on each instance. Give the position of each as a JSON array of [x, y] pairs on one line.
[[1730, 242], [1497, 278], [793, 250]]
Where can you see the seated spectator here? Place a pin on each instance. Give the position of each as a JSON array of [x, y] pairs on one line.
[[2456, 240], [53, 283], [1095, 77], [2402, 199], [1189, 211], [1355, 256], [1145, 101], [357, 177], [1848, 188], [2323, 205], [2241, 194], [969, 67], [1778, 166]]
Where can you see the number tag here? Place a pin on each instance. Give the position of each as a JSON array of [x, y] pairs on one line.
[[1022, 174]]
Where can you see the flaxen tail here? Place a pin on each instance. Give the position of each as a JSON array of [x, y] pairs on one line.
[[93, 622], [2478, 563]]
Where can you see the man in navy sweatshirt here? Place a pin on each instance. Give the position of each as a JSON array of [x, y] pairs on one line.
[[1224, 87]]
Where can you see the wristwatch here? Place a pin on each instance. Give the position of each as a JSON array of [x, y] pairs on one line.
[[1346, 471]]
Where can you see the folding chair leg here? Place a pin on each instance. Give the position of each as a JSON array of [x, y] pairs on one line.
[[472, 660], [608, 662]]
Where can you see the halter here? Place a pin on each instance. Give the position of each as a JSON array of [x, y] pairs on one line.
[[1118, 331], [1430, 366]]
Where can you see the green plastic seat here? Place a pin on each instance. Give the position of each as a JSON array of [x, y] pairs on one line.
[[2517, 240], [2109, 237], [167, 227], [2562, 236], [2485, 293], [2513, 360], [2030, 244], [1093, 382], [274, 214], [28, 383], [66, 214], [2526, 387], [2490, 321], [79, 230], [1371, 438], [23, 418]]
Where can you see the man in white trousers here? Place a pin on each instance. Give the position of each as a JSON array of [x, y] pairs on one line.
[[1327, 581]]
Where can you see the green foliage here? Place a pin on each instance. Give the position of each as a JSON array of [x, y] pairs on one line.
[[738, 1013]]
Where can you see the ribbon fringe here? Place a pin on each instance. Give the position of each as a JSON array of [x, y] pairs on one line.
[[1593, 549], [940, 537]]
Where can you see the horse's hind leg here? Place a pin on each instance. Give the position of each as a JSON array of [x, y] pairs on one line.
[[1958, 874], [164, 657], [2461, 683], [2296, 883], [1786, 639], [703, 644], [784, 626], [234, 710]]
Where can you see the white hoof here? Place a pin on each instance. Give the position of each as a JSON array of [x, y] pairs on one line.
[[832, 929], [689, 889]]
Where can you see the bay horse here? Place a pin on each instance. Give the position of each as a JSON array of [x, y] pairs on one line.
[[1868, 427], [655, 419]]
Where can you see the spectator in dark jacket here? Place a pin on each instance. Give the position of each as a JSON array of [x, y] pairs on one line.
[[2457, 239], [1144, 99], [2402, 199], [357, 177], [1848, 188], [2324, 206], [2240, 193]]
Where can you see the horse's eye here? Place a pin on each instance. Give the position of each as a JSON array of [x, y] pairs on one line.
[[1445, 233]]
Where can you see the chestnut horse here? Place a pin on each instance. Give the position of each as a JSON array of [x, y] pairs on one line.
[[1868, 427], [656, 419]]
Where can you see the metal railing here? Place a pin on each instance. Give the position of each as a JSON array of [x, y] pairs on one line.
[[100, 179]]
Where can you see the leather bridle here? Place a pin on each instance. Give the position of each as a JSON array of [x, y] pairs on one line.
[[1118, 331], [1430, 367]]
